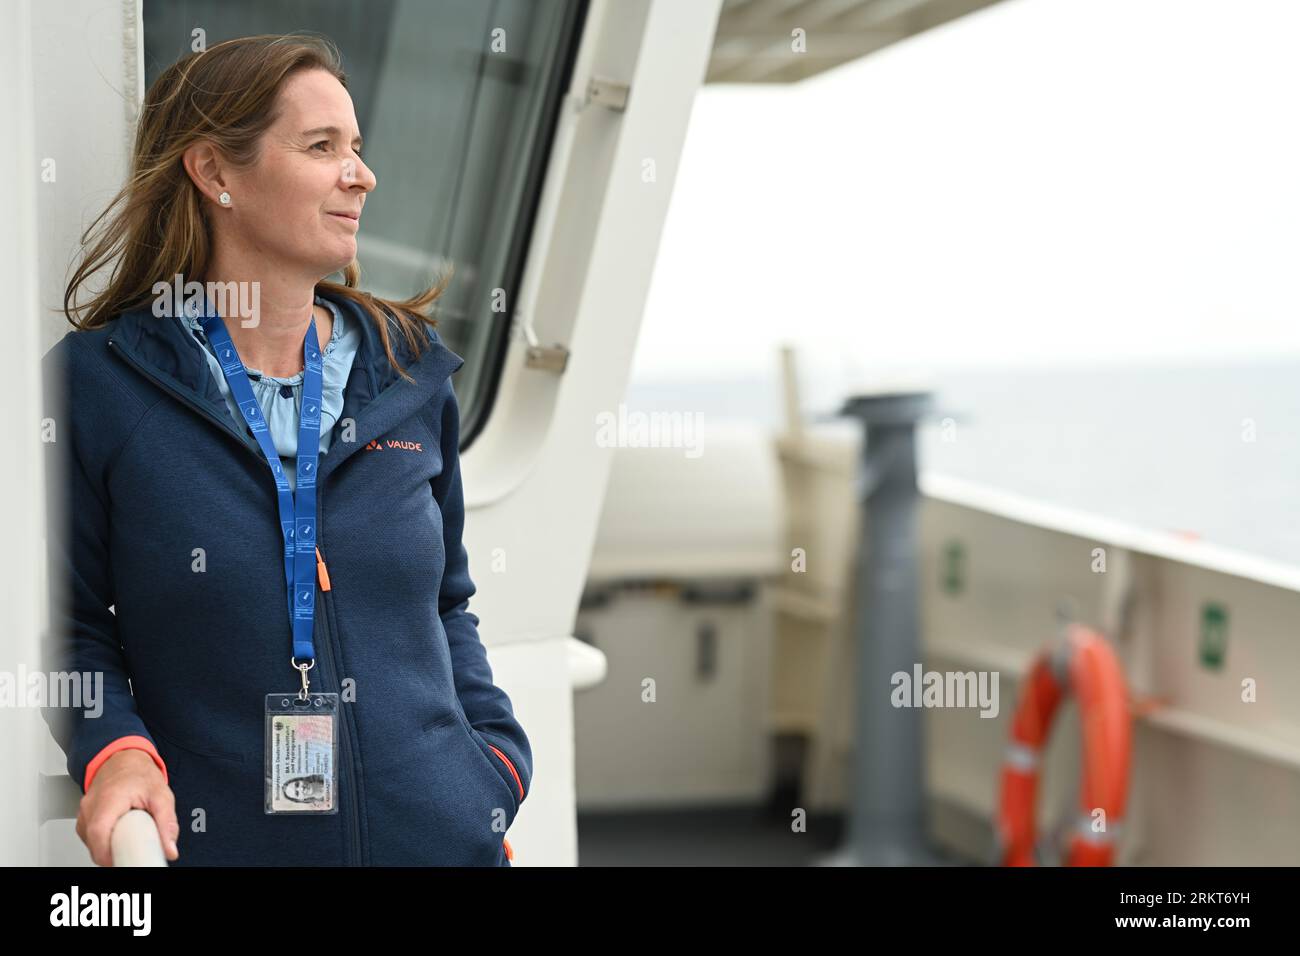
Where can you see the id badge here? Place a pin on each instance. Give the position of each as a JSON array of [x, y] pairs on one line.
[[302, 753]]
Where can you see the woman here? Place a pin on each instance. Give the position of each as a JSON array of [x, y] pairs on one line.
[[307, 684]]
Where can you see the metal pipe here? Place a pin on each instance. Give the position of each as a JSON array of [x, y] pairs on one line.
[[887, 825]]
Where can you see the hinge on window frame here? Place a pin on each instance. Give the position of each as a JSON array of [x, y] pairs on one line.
[[611, 94], [549, 358], [552, 359]]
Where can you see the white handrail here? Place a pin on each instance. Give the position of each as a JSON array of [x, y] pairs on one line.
[[136, 842], [587, 664]]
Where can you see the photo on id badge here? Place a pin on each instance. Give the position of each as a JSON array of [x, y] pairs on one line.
[[301, 747]]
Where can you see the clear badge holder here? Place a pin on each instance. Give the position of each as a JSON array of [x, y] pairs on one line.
[[302, 735]]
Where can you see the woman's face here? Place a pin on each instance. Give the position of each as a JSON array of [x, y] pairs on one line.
[[291, 209]]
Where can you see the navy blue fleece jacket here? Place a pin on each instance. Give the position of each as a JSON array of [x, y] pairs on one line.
[[167, 577]]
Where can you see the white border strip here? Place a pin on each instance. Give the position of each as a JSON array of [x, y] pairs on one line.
[[1083, 524]]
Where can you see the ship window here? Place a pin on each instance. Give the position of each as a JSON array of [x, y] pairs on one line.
[[457, 104]]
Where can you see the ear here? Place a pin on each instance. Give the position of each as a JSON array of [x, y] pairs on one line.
[[205, 168]]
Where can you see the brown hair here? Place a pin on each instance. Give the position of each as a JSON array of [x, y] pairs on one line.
[[226, 95]]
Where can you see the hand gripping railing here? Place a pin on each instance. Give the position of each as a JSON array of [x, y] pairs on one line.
[[135, 840]]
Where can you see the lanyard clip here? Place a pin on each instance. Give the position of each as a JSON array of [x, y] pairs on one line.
[[303, 694]]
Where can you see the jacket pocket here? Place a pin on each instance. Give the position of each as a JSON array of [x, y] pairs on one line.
[[513, 780], [431, 725], [434, 800], [171, 740], [499, 764]]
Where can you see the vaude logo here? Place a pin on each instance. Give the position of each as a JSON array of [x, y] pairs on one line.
[[102, 909], [394, 443], [946, 689]]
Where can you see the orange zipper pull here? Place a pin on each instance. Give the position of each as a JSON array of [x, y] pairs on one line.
[[322, 572]]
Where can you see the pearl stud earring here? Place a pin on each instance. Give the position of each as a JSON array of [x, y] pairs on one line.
[[225, 199]]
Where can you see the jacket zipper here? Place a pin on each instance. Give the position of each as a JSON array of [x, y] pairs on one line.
[[349, 728], [354, 844], [513, 772]]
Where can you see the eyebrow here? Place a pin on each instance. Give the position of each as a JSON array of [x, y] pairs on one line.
[[332, 131]]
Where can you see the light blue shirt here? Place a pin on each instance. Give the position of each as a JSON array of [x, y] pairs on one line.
[[281, 398]]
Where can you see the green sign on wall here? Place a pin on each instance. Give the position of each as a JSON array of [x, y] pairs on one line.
[[954, 567], [1214, 635]]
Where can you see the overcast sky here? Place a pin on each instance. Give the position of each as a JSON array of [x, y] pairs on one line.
[[1042, 182]]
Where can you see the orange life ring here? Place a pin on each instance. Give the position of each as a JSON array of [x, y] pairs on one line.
[[1086, 666]]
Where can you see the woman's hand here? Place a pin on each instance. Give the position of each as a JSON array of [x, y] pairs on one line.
[[128, 780]]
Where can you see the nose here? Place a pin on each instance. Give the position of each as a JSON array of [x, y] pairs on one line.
[[354, 172]]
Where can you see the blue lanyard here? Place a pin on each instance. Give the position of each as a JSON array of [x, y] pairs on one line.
[[297, 509]]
